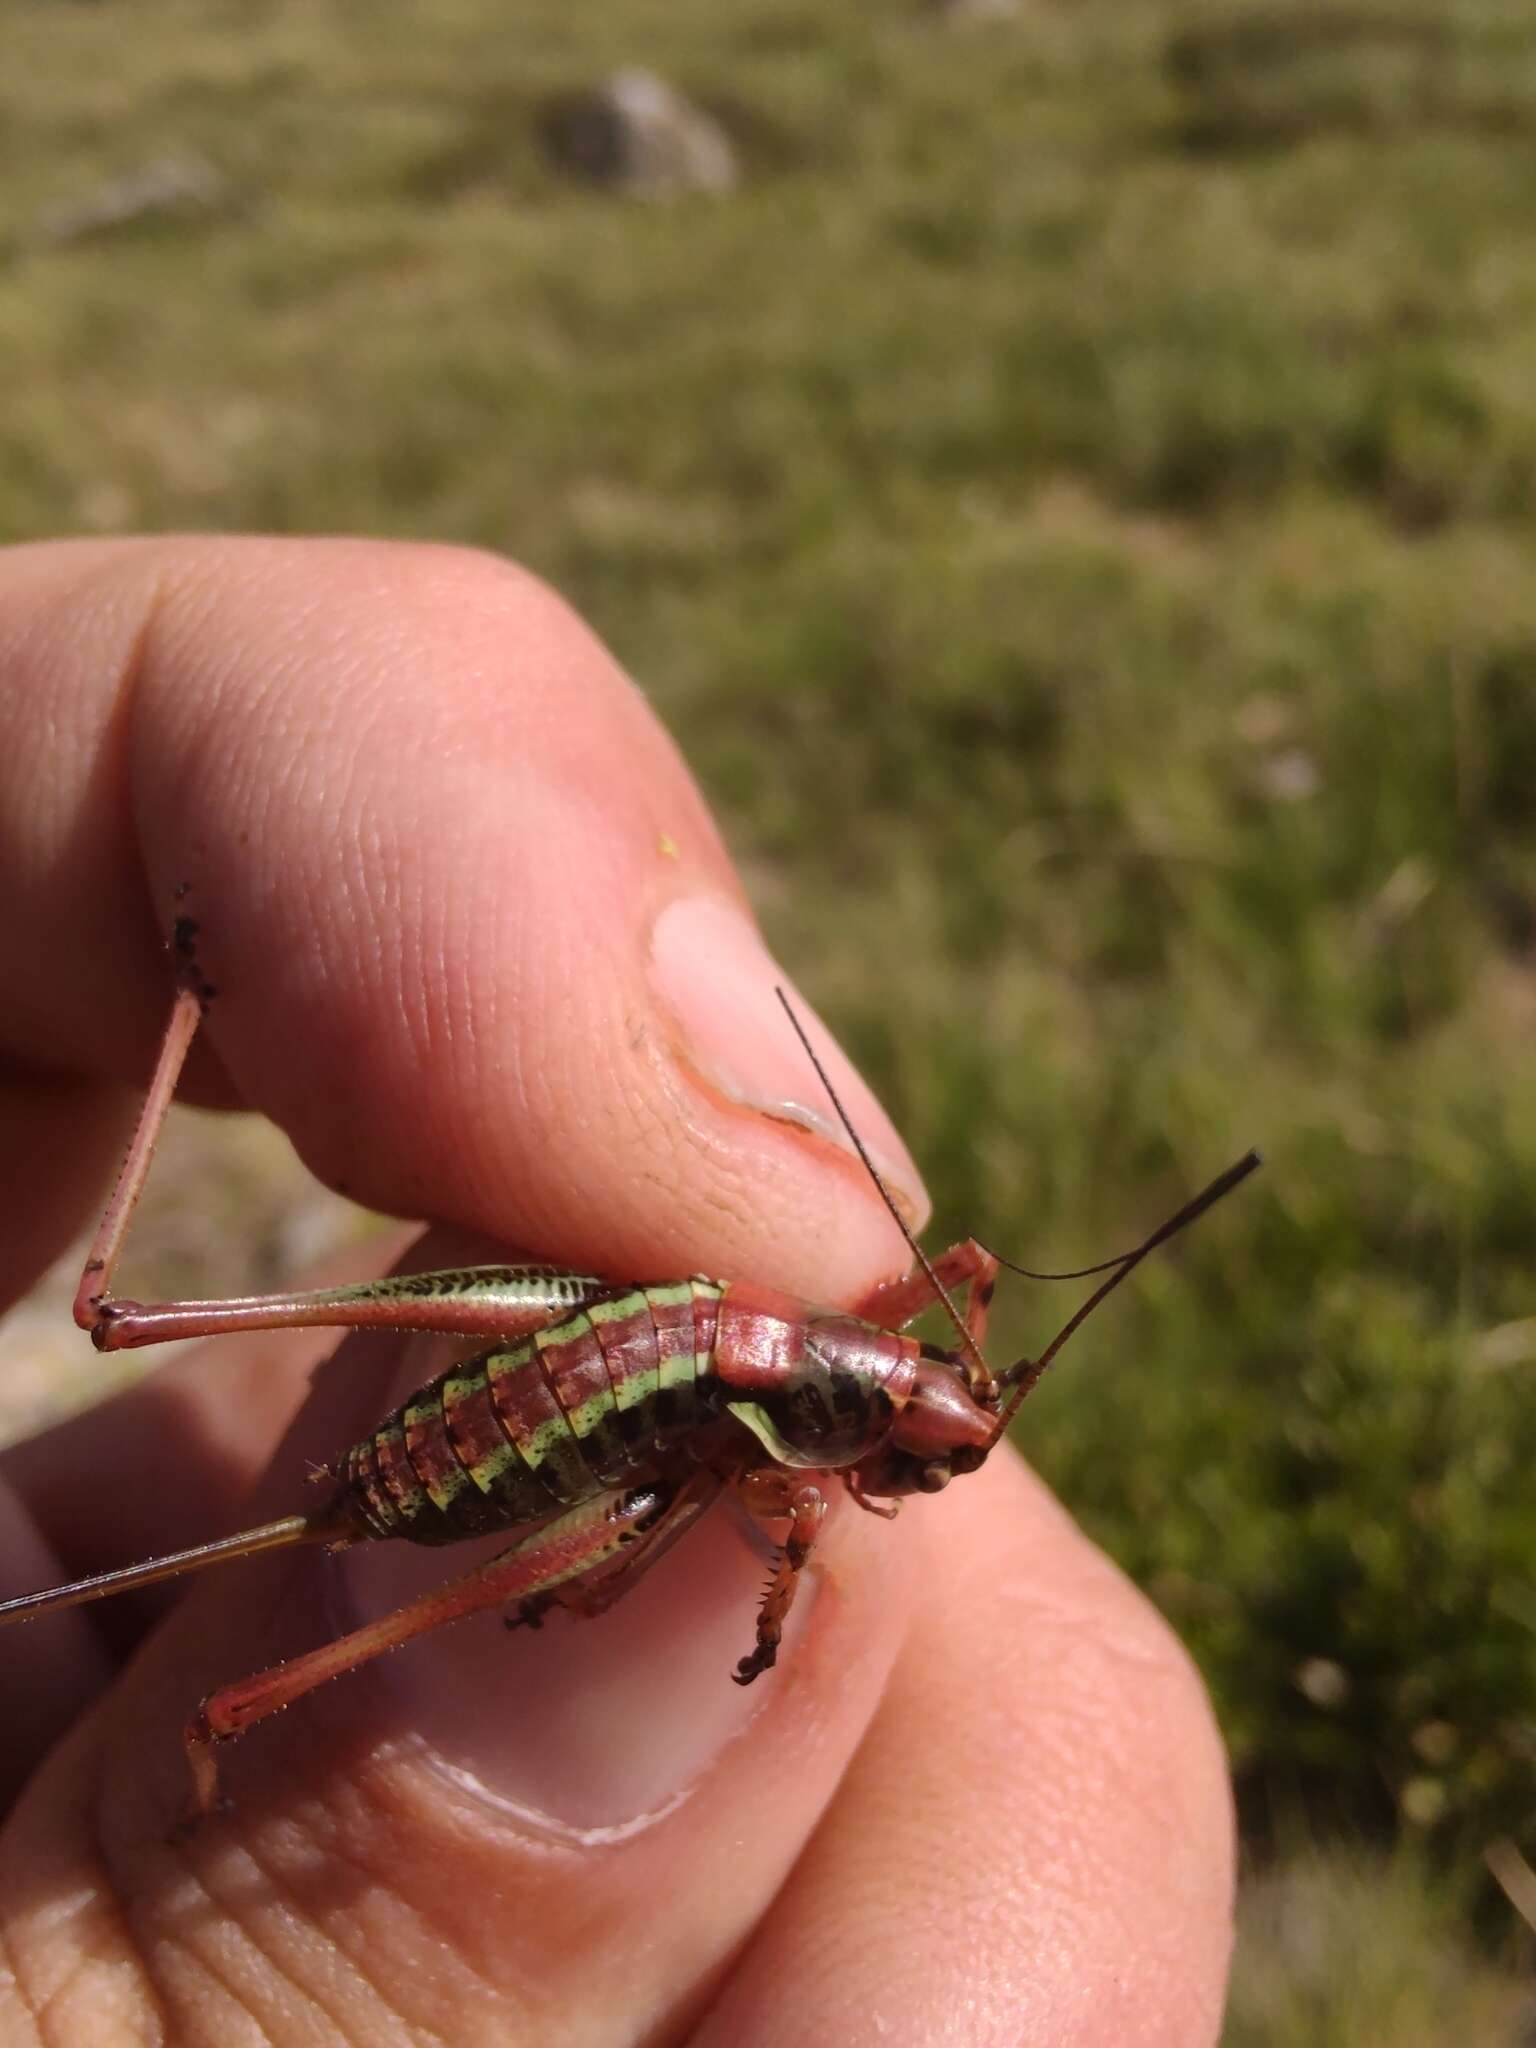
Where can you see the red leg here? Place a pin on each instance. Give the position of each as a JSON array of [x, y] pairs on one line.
[[96, 1279], [489, 1302], [895, 1302], [886, 1510], [586, 1598], [772, 1492], [969, 1265], [587, 1537]]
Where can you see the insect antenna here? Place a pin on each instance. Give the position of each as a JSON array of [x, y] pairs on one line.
[[940, 1292], [1023, 1376], [292, 1529], [1077, 1272]]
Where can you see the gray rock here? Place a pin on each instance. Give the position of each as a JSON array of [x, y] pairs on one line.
[[638, 135]]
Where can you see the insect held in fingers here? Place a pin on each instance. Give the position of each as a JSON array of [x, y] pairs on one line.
[[599, 1420]]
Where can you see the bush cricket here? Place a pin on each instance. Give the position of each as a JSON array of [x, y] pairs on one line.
[[601, 1419]]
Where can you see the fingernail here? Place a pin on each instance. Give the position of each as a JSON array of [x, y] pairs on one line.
[[590, 1729], [714, 975]]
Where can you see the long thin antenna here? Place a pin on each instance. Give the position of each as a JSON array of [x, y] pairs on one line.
[[1077, 1272], [1026, 1374], [270, 1536], [983, 1376]]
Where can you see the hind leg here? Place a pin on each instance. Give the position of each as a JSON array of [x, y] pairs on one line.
[[583, 1540], [772, 1493]]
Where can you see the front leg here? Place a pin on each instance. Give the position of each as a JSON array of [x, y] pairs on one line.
[[970, 1265], [772, 1493]]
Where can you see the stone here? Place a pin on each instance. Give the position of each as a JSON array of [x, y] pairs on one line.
[[637, 134]]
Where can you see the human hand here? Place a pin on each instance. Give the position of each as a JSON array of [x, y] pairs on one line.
[[481, 954]]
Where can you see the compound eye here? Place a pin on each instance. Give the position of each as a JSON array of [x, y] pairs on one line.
[[934, 1478]]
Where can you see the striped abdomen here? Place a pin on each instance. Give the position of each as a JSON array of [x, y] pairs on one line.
[[512, 1436]]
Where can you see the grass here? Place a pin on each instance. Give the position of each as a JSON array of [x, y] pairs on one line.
[[1322, 1943], [1074, 506]]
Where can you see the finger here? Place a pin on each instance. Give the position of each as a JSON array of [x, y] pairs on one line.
[[477, 946], [1037, 1832], [571, 1840]]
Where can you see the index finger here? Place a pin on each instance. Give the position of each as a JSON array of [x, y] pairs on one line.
[[478, 946]]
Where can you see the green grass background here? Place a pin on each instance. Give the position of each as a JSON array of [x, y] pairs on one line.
[[1073, 504]]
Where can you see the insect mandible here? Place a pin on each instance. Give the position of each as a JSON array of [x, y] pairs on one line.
[[601, 1421]]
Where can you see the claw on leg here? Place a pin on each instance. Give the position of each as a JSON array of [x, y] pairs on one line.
[[528, 1613], [806, 1506], [887, 1512]]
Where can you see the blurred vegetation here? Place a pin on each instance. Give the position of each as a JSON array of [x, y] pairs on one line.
[[1335, 1950], [1074, 506]]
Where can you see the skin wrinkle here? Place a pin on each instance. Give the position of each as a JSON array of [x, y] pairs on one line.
[[459, 971], [219, 1993], [107, 1899], [418, 1913], [566, 1084], [439, 996], [560, 1087], [232, 1925], [51, 2014], [199, 1966], [462, 1964], [268, 1950], [744, 1201], [537, 1094], [322, 1940], [724, 1191]]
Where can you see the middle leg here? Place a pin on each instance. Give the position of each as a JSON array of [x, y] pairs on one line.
[[772, 1492], [595, 1592]]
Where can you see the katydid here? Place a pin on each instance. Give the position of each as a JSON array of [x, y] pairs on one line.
[[601, 1419]]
